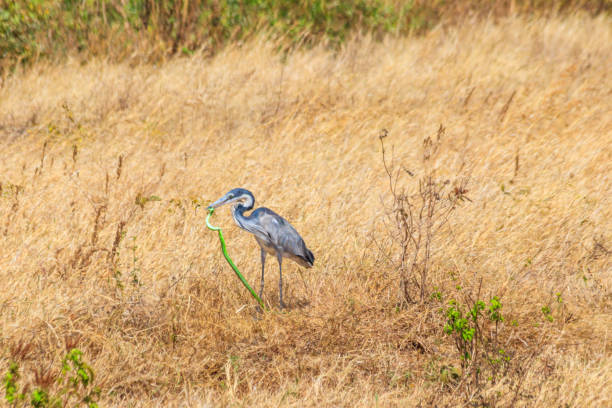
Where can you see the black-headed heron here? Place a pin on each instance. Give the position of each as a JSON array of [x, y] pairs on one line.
[[273, 233]]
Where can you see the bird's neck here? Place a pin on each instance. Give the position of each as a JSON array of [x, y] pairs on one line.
[[238, 215]]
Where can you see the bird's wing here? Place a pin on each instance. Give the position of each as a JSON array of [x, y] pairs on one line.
[[271, 223], [260, 231], [283, 234]]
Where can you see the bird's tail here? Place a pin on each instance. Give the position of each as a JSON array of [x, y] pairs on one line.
[[309, 257]]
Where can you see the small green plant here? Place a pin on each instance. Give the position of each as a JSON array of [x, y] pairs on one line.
[[475, 328], [11, 389], [436, 295], [547, 310], [39, 398], [74, 386], [547, 314], [77, 377], [460, 326]]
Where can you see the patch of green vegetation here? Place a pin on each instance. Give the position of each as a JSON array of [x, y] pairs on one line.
[[30, 29], [72, 387], [33, 28], [475, 329]]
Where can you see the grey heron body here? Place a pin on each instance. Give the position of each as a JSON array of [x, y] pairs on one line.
[[272, 232]]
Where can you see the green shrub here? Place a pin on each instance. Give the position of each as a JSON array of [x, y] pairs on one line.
[[72, 387], [475, 328], [35, 28], [30, 29]]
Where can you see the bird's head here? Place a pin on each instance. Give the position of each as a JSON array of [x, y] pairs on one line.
[[237, 196]]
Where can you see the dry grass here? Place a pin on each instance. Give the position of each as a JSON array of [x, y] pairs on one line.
[[526, 105]]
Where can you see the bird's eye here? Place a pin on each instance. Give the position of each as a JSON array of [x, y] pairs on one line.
[[230, 196]]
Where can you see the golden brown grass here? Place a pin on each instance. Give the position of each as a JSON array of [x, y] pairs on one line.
[[527, 109]]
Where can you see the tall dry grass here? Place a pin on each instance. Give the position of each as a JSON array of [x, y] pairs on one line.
[[90, 258]]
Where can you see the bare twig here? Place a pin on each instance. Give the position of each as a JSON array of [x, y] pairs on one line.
[[418, 217]]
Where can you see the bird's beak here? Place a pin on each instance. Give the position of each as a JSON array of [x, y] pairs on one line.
[[218, 203]]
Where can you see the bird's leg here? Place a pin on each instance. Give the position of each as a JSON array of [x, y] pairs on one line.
[[280, 280], [263, 267]]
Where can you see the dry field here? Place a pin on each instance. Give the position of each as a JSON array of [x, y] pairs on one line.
[[102, 246]]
